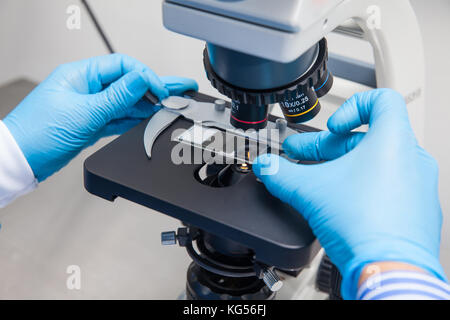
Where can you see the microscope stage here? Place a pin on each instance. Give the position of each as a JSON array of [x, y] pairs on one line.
[[244, 212]]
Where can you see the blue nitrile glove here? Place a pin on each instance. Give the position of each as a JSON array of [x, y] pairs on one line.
[[376, 199], [81, 102]]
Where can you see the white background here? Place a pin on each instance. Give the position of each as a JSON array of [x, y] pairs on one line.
[[117, 244]]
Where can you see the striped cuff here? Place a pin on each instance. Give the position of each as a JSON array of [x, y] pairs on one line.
[[403, 285]]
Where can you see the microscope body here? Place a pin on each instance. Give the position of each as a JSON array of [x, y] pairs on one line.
[[261, 52], [258, 53]]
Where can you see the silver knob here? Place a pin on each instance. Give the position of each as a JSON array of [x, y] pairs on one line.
[[281, 124], [219, 105], [168, 238], [175, 102], [272, 280]]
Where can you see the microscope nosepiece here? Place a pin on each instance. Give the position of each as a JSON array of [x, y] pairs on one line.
[[252, 83]]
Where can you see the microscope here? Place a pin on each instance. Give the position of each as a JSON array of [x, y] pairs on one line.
[[258, 53]]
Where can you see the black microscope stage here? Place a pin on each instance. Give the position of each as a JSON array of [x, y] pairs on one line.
[[245, 212]]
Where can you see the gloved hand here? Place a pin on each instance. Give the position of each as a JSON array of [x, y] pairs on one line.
[[81, 102], [376, 199]]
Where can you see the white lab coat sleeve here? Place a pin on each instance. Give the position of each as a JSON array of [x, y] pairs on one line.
[[16, 176]]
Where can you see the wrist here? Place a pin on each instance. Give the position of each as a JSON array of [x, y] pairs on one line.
[[400, 281], [375, 268], [383, 255]]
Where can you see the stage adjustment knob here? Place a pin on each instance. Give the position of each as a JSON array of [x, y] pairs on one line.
[[272, 280], [168, 238]]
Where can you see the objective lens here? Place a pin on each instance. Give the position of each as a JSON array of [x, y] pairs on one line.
[[303, 108], [324, 85], [248, 116]]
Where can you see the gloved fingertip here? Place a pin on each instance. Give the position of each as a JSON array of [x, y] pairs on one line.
[[179, 85], [262, 160], [333, 124], [340, 124], [266, 164], [190, 84], [160, 93], [289, 144]]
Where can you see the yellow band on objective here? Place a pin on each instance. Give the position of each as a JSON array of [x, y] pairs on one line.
[[297, 115]]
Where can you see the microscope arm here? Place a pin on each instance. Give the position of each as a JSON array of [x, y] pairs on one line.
[[398, 49]]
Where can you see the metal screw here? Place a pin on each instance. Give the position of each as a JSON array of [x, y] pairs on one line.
[[272, 280], [219, 105], [168, 238], [281, 124]]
